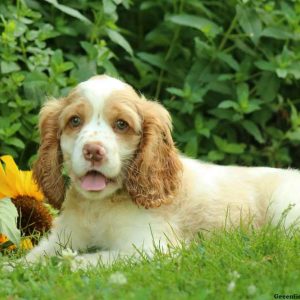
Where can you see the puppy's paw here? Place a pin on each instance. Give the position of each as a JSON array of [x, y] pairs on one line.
[[8, 266], [31, 258], [79, 263]]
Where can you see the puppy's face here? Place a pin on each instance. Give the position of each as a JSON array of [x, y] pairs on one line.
[[108, 138], [100, 131]]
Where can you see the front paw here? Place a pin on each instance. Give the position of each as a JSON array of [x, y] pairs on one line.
[[10, 266], [79, 263], [31, 258]]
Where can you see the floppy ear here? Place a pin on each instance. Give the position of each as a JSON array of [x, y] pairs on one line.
[[154, 175], [47, 168]]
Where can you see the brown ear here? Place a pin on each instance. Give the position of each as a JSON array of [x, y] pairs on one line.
[[154, 175], [47, 168]]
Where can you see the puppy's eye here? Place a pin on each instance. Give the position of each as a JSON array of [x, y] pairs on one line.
[[121, 125], [75, 121]]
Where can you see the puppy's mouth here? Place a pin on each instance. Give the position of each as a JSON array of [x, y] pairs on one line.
[[94, 181]]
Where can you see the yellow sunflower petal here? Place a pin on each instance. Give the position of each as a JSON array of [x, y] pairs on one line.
[[18, 184], [14, 182], [26, 244], [10, 165], [3, 196], [12, 174], [5, 189], [22, 182], [39, 196], [27, 184], [3, 238], [31, 187]]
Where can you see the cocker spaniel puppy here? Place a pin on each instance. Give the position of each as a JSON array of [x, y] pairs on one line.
[[130, 188]]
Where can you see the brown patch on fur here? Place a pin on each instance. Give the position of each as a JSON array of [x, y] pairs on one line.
[[122, 105], [53, 120], [155, 174], [79, 108], [47, 168]]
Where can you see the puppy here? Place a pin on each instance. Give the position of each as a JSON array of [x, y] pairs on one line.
[[130, 188]]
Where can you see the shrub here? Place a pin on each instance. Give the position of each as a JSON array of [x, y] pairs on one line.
[[227, 71]]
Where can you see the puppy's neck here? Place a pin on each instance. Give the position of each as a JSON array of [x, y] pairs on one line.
[[75, 199]]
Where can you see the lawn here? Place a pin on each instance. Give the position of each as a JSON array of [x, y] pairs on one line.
[[239, 264]]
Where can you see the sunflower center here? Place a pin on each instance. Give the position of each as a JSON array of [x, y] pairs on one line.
[[33, 217]]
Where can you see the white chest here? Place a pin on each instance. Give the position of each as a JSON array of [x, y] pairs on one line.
[[110, 226]]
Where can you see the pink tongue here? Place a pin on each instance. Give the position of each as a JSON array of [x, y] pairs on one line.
[[93, 182]]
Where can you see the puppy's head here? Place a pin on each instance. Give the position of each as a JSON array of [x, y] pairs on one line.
[[108, 138]]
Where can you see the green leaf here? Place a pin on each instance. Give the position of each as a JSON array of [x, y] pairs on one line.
[[8, 221], [293, 135], [191, 148], [228, 104], [199, 122], [245, 48], [89, 49], [85, 68], [69, 11], [242, 92], [15, 142], [199, 72], [225, 114], [9, 66], [109, 7], [205, 132], [277, 33], [220, 87], [229, 60], [66, 66], [268, 86], [175, 91], [231, 148], [200, 127], [281, 73], [251, 106], [253, 129], [250, 22], [13, 129], [117, 38], [208, 27], [214, 155], [294, 70], [36, 86], [294, 116], [57, 57], [148, 4], [153, 59], [265, 65]]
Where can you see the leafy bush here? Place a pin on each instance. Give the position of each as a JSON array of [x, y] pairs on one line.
[[227, 71]]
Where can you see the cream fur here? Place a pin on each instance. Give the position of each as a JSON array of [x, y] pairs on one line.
[[208, 197]]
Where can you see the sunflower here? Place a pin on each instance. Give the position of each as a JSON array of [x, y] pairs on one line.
[[26, 243], [14, 183], [19, 185]]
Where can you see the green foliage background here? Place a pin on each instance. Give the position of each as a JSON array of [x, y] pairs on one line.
[[228, 71]]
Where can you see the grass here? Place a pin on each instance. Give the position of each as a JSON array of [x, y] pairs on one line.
[[240, 264]]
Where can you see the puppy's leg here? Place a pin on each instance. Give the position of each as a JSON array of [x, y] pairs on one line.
[[49, 246], [107, 258], [102, 258], [85, 261]]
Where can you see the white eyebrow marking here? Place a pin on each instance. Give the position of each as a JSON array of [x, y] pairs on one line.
[[98, 89]]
